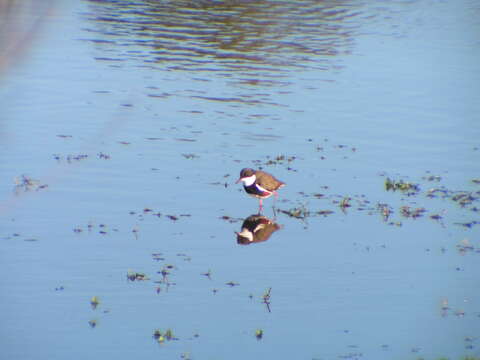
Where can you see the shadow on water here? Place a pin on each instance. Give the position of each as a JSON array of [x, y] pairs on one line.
[[256, 228], [250, 36]]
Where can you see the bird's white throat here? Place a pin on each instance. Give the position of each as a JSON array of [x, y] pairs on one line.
[[249, 180]]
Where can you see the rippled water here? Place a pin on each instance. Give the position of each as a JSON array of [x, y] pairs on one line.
[[125, 124]]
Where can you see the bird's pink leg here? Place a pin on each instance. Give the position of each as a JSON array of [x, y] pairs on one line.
[[275, 194], [260, 208]]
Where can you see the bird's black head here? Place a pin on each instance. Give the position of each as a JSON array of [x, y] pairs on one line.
[[247, 172]]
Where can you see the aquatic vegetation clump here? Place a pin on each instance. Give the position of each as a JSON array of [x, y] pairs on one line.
[[162, 336], [266, 298], [467, 200], [464, 198], [407, 187], [279, 159], [385, 210], [94, 302], [345, 203], [300, 212]]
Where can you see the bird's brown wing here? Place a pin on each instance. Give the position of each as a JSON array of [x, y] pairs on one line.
[[267, 181]]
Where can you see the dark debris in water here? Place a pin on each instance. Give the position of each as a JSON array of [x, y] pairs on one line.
[[153, 138], [208, 274], [435, 178], [436, 217], [92, 323], [158, 214], [70, 158], [158, 257], [224, 184], [162, 336], [103, 156], [230, 219], [20, 237], [327, 146], [103, 229], [324, 212], [351, 356], [190, 156], [24, 183], [469, 224], [465, 246], [277, 160], [409, 212], [136, 276]]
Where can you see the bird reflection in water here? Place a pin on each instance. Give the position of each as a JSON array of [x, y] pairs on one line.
[[256, 228]]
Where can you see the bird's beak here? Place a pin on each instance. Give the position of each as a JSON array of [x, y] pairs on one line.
[[239, 179]]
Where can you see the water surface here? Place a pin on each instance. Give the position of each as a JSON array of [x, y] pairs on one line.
[[135, 118]]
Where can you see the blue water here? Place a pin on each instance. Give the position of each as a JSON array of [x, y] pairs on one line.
[[139, 115]]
